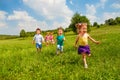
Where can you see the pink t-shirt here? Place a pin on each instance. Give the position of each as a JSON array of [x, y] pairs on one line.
[[51, 37], [47, 38]]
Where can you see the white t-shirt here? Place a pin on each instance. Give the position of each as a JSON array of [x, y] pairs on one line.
[[38, 38]]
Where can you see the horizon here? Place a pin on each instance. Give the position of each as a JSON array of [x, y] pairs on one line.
[[47, 15]]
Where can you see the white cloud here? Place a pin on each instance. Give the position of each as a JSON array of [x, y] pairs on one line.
[[71, 2], [90, 9], [3, 24], [90, 12], [116, 5], [21, 16], [2, 15], [101, 3], [24, 21], [108, 15], [51, 10], [2, 19]]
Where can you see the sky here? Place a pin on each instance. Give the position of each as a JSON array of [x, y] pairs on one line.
[[51, 14]]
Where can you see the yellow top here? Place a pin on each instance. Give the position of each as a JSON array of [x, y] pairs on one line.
[[83, 40]]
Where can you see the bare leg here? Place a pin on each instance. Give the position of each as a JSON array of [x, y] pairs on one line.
[[46, 43], [38, 49], [57, 52], [58, 48], [84, 60], [61, 49]]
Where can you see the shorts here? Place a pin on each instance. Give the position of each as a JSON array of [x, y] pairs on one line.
[[60, 47], [38, 45], [84, 49]]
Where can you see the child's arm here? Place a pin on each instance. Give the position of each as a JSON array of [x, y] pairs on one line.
[[64, 39], [33, 42], [43, 40], [56, 40], [93, 40], [76, 41]]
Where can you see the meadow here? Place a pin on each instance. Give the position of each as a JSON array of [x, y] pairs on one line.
[[19, 60]]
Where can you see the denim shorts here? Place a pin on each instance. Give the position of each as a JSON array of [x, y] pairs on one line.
[[38, 45], [60, 47]]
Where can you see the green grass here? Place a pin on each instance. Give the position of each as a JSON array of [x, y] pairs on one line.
[[19, 60]]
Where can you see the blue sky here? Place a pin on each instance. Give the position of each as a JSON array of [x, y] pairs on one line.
[[50, 14]]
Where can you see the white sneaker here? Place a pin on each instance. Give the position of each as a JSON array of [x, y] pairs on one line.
[[86, 66]]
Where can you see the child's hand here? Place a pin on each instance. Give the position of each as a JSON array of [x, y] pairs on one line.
[[63, 39], [97, 42], [75, 46], [33, 42]]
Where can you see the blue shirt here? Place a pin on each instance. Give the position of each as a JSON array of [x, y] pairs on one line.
[[60, 40], [38, 38]]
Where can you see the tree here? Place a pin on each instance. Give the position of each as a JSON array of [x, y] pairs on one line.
[[110, 21], [117, 19], [22, 33], [77, 18], [95, 24]]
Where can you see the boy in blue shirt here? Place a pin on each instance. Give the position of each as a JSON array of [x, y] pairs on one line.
[[60, 40], [38, 39]]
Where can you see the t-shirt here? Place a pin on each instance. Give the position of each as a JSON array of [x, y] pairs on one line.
[[83, 40], [51, 37], [38, 38], [47, 38], [60, 40]]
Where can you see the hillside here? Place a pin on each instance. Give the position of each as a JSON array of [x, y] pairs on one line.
[[19, 60]]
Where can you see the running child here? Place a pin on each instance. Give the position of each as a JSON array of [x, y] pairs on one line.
[[60, 40], [38, 39], [47, 39], [82, 41], [51, 38]]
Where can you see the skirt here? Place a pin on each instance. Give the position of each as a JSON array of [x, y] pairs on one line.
[[84, 49]]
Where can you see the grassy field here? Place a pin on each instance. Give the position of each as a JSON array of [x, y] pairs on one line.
[[19, 60]]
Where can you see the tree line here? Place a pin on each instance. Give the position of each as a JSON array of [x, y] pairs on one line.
[[77, 18], [3, 37], [108, 22]]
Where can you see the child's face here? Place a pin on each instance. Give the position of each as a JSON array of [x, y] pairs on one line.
[[38, 31], [83, 29], [48, 33], [60, 31], [51, 33]]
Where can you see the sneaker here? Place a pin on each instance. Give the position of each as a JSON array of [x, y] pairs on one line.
[[86, 66]]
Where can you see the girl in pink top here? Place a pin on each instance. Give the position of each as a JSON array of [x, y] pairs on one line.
[[47, 38], [51, 38]]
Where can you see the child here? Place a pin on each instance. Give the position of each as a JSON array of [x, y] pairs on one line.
[[51, 38], [38, 39], [82, 40], [47, 37], [60, 39]]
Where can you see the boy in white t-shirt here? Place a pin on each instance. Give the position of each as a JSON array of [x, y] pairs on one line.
[[38, 39]]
